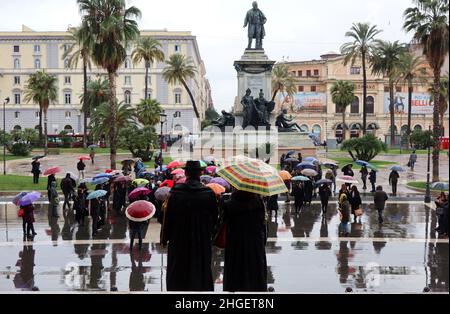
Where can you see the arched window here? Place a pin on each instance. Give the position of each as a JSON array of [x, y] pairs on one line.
[[68, 114], [177, 96], [370, 105], [404, 129], [355, 106], [16, 63], [177, 114], [17, 128], [317, 130], [66, 64], [418, 127], [37, 64], [338, 109], [128, 97], [304, 128], [68, 128], [127, 64], [395, 130]]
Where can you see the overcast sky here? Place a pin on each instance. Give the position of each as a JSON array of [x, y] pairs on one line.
[[296, 29]]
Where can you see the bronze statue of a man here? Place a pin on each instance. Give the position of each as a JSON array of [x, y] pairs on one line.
[[255, 20]]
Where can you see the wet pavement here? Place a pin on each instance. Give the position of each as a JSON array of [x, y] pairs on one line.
[[304, 254]]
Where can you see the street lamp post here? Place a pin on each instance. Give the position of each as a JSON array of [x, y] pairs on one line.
[[326, 136], [428, 193], [4, 134], [162, 120]]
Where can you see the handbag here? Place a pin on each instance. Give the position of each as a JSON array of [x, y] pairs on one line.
[[21, 212], [358, 212], [220, 239]]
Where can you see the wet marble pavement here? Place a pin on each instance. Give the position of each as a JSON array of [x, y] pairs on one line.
[[304, 253]]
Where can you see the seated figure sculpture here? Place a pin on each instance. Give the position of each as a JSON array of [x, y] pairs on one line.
[[227, 119], [285, 124]]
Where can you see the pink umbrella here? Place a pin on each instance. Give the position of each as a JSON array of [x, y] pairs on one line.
[[211, 169], [123, 179], [138, 192], [182, 180], [347, 179], [178, 172], [140, 211], [52, 170], [84, 158]]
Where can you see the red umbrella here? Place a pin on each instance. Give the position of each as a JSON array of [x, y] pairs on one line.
[[175, 164], [123, 179], [138, 192], [108, 170], [84, 158], [169, 183], [140, 211], [52, 170]]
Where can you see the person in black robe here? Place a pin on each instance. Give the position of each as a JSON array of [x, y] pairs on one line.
[[188, 227], [299, 195], [245, 267], [308, 189], [119, 196], [324, 193], [355, 200]]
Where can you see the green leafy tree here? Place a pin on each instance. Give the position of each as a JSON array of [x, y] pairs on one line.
[[41, 88], [113, 26], [178, 70], [361, 47], [429, 22], [148, 111], [4, 138], [81, 50], [422, 139], [102, 118], [385, 61], [410, 71], [211, 114], [343, 95], [141, 142], [364, 148], [149, 50], [283, 81]]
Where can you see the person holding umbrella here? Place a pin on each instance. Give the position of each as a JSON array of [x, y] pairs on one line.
[[67, 186], [299, 195], [355, 200], [412, 160], [373, 179], [139, 213], [379, 200], [92, 155], [189, 219], [27, 221], [97, 208], [364, 173], [308, 189], [53, 199], [35, 170], [81, 204], [324, 193], [80, 167], [50, 179], [344, 209], [393, 181]]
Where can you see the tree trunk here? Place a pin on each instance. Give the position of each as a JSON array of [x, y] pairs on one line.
[[391, 111], [410, 91], [436, 126], [364, 93], [343, 123], [275, 94], [41, 138], [45, 133], [85, 105], [146, 79], [192, 99], [112, 129]]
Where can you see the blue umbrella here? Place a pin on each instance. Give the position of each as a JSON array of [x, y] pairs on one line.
[[311, 160], [366, 164], [330, 165], [440, 186], [93, 146], [96, 194], [300, 178], [289, 153], [103, 175], [323, 181], [397, 168], [87, 180], [29, 198], [101, 180], [305, 165], [18, 197]]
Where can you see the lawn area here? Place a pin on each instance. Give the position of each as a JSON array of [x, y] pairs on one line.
[[151, 164], [421, 185], [407, 152], [377, 163], [21, 183], [83, 151], [12, 157]]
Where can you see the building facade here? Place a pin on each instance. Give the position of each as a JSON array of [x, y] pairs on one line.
[[313, 109], [23, 53]]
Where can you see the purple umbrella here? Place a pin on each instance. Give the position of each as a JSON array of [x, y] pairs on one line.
[[162, 193], [205, 179], [138, 192], [18, 197], [29, 198], [221, 182]]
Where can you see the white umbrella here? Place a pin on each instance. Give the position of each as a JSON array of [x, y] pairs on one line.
[[309, 172], [72, 175], [347, 179]]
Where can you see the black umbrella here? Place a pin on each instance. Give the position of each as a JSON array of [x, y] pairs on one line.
[[37, 157]]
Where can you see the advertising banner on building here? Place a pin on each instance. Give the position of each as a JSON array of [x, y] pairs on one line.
[[420, 103], [305, 102]]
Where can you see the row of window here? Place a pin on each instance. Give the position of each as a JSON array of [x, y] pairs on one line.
[[37, 49], [308, 73], [354, 107], [67, 114], [313, 88], [17, 80]]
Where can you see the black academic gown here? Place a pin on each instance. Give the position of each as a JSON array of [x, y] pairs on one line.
[[188, 227], [245, 266]]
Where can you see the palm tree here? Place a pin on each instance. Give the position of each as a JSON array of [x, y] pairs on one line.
[[410, 71], [101, 119], [149, 50], [97, 93], [283, 81], [428, 20], [42, 88], [443, 99], [363, 35], [113, 26], [148, 112], [385, 60], [180, 69], [342, 94], [81, 50]]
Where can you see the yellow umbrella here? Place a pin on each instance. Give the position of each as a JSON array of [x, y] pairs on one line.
[[285, 175], [140, 182]]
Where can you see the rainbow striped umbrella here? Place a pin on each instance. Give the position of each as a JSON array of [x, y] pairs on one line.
[[252, 175]]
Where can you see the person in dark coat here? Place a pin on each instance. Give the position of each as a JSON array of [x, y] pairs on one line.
[[299, 195], [379, 200], [27, 222], [373, 180], [137, 229], [355, 200], [393, 181], [80, 167], [364, 173], [282, 158], [51, 178], [188, 227], [272, 204], [300, 157], [95, 214], [35, 170], [348, 171], [245, 266], [308, 189], [53, 199], [119, 197], [81, 204], [324, 193], [67, 186]]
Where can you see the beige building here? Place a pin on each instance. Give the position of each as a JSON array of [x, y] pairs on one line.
[[313, 109], [23, 53]]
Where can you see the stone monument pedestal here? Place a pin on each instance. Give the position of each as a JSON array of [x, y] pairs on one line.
[[254, 71]]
